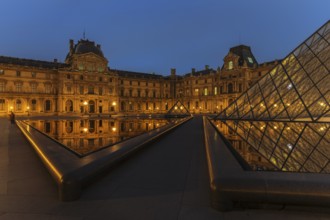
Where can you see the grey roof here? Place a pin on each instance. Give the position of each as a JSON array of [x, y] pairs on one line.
[[244, 52], [86, 46], [200, 72], [31, 63], [132, 74]]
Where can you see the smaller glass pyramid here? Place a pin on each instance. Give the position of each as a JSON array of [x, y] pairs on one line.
[[178, 109]]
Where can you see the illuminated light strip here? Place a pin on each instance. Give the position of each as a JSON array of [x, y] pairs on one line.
[[208, 155], [44, 158]]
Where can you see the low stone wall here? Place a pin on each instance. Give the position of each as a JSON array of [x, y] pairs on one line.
[[73, 173], [231, 184]]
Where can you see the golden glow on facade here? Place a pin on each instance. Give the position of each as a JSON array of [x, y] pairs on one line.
[[85, 85]]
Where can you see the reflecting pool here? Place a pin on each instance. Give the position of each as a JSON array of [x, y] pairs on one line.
[[255, 160], [85, 136], [289, 146]]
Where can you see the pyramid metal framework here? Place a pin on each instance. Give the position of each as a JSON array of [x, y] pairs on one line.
[[178, 109], [285, 116]]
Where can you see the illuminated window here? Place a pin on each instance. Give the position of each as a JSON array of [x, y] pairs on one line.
[[196, 91], [215, 90], [250, 60], [205, 91], [230, 65], [2, 72]]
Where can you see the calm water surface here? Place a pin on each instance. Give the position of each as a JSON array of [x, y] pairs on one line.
[[84, 136]]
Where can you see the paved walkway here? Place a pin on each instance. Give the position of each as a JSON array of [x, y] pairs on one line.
[[167, 180]]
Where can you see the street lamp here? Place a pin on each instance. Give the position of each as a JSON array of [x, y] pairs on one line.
[[28, 109]]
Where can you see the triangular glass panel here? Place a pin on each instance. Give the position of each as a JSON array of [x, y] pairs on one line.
[[178, 110], [285, 116]]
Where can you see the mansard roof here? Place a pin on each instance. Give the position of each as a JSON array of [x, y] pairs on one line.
[[31, 63], [244, 52], [86, 46], [132, 74], [200, 72]]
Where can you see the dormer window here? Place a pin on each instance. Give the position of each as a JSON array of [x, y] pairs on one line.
[[230, 65], [250, 59]]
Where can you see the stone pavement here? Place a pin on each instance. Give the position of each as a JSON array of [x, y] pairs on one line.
[[167, 180]]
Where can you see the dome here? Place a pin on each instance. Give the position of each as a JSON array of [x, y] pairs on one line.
[[86, 46]]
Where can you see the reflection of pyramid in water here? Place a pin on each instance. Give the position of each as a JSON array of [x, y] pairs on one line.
[[285, 115], [290, 146], [178, 109], [298, 88]]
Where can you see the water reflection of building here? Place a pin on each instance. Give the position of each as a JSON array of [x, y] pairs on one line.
[[87, 135], [84, 84], [255, 160]]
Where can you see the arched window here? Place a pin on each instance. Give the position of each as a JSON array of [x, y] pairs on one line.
[[69, 106], [91, 106], [33, 104], [18, 105], [48, 105], [230, 88]]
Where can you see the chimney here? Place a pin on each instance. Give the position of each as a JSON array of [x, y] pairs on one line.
[[193, 70], [71, 46], [173, 72], [206, 67], [55, 60], [98, 46]]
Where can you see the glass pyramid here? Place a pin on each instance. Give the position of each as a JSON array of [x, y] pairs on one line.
[[178, 109], [285, 116]]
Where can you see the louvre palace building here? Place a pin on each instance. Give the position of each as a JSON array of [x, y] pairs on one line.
[[85, 85]]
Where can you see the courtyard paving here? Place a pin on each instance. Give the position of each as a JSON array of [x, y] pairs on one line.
[[167, 180]]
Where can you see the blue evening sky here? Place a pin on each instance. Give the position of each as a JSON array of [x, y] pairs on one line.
[[156, 35]]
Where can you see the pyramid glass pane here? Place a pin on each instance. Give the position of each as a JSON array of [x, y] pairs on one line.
[[285, 116]]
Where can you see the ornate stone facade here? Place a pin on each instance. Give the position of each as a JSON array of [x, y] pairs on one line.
[[84, 84]]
